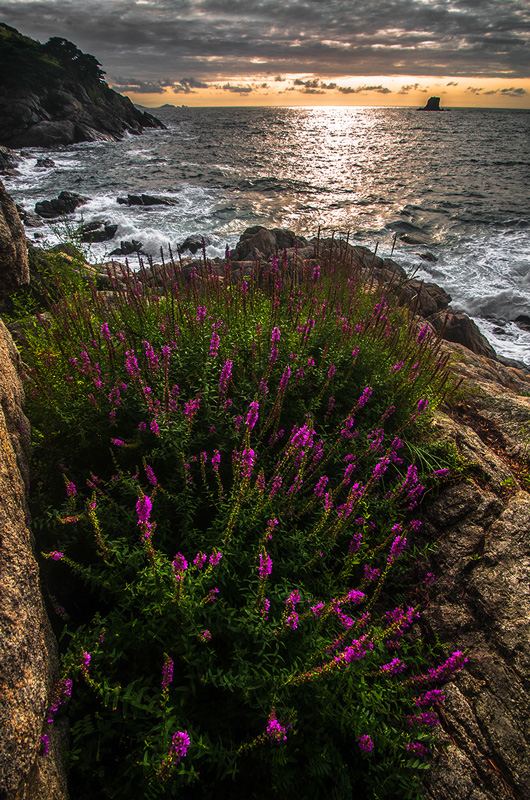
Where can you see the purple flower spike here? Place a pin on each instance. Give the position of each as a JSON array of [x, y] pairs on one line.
[[265, 565], [252, 416], [215, 558], [180, 564], [200, 560], [365, 744], [143, 509], [275, 731], [55, 555], [226, 374]]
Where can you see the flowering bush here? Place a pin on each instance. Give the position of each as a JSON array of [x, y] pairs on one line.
[[231, 546]]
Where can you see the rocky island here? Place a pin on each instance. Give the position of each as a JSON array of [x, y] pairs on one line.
[[53, 94]]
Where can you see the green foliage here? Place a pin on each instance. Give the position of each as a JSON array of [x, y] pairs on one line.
[[239, 453], [26, 62], [55, 272]]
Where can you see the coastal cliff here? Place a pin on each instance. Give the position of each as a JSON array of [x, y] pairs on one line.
[[53, 94], [479, 600]]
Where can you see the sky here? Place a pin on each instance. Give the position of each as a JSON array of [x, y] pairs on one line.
[[297, 52]]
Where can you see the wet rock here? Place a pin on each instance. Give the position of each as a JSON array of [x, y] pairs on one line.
[[195, 243], [146, 200], [411, 239], [9, 161], [428, 257], [458, 327], [29, 218], [99, 231], [45, 163], [128, 248], [65, 203], [14, 270]]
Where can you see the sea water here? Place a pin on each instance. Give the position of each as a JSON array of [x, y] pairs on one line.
[[455, 183]]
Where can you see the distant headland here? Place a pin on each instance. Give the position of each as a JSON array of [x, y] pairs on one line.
[[54, 94]]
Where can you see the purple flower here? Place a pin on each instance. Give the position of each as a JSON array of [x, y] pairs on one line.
[[143, 509], [276, 486], [354, 596], [422, 334], [226, 374], [191, 408], [430, 698], [284, 380], [45, 744], [275, 335], [216, 460], [292, 621], [151, 477], [214, 344], [86, 660], [318, 610], [454, 663], [215, 558], [252, 416], [393, 667], [417, 749], [180, 564], [321, 485], [265, 565], [264, 608], [212, 594], [371, 574], [248, 458], [71, 491], [200, 560], [363, 399], [398, 545], [422, 405], [275, 731], [365, 744], [56, 555], [293, 599], [206, 636]]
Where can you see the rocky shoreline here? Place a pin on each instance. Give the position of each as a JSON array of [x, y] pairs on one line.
[[479, 600]]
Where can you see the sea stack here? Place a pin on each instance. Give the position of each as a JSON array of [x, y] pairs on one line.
[[433, 104]]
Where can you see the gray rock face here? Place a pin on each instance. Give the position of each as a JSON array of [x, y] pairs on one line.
[[28, 651], [480, 600], [14, 270]]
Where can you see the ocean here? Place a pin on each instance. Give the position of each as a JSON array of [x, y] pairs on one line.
[[454, 184]]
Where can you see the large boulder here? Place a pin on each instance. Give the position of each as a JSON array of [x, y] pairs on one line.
[[261, 242], [14, 271], [458, 327], [65, 203]]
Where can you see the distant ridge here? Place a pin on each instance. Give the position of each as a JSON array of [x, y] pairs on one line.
[[54, 94]]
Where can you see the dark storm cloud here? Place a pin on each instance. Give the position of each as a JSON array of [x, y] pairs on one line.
[[213, 39], [183, 86]]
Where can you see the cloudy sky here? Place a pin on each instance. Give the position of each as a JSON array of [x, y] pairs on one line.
[[297, 52]]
